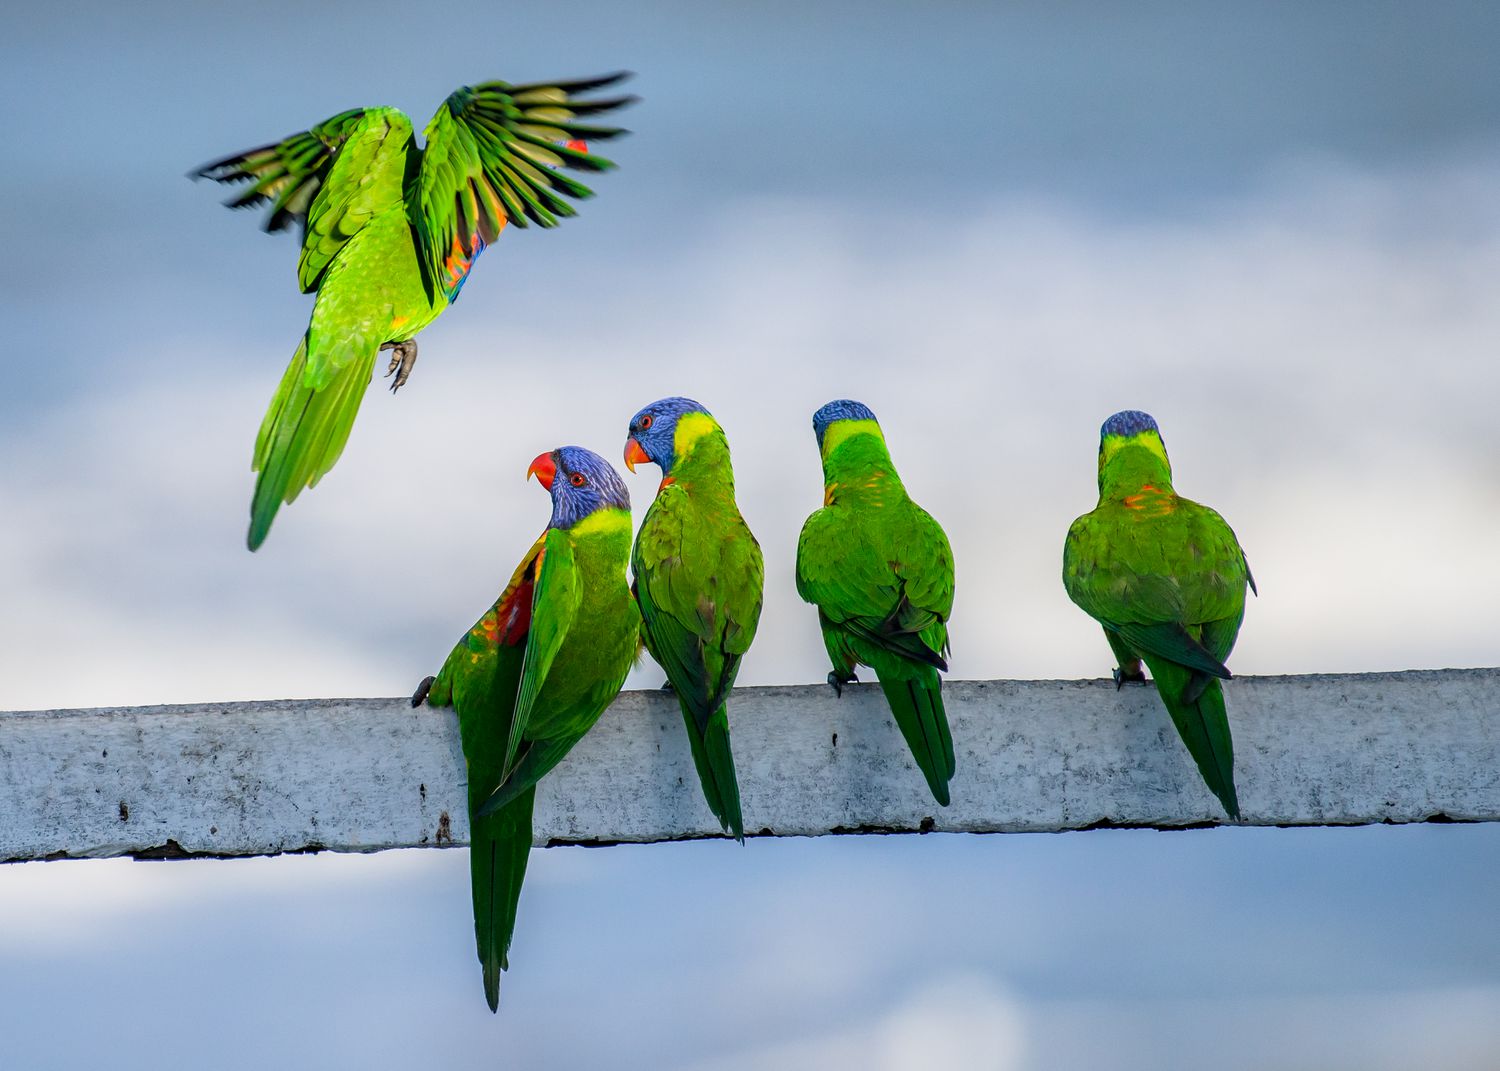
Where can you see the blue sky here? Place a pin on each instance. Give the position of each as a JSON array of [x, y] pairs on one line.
[[1275, 227]]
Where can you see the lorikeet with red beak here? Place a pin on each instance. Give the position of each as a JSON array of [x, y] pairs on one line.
[[1166, 578], [534, 674]]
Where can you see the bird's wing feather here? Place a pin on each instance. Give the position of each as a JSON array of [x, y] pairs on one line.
[[556, 594], [495, 153], [895, 594], [286, 174], [319, 178]]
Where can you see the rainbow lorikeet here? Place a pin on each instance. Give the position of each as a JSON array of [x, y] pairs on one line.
[[698, 580], [880, 571], [1166, 578], [389, 234], [532, 677]]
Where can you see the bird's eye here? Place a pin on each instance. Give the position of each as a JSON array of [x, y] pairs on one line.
[[647, 421], [577, 479]]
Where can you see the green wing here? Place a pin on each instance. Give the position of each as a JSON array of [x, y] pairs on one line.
[[492, 678], [320, 178], [883, 584], [286, 174], [556, 595], [1156, 582], [699, 584], [888, 582], [366, 178], [1172, 589], [495, 153]]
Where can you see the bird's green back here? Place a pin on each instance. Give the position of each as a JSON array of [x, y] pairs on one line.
[[699, 580]]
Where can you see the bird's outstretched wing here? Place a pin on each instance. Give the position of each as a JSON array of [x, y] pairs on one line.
[[286, 174], [496, 153], [331, 180]]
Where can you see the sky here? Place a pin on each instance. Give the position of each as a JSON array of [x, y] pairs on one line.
[[1276, 228]]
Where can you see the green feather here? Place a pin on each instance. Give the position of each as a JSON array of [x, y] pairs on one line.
[[302, 435], [1166, 578], [880, 571], [499, 847], [389, 233], [1196, 703], [917, 704], [527, 687], [699, 579]]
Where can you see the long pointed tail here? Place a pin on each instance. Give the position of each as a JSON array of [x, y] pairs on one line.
[[498, 849], [715, 762], [303, 434], [917, 703], [1196, 703]]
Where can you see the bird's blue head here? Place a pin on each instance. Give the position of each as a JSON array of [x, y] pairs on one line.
[[1128, 422], [581, 483], [653, 433], [1129, 427], [843, 409]]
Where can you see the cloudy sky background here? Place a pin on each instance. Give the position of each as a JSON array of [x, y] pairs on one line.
[[1278, 230]]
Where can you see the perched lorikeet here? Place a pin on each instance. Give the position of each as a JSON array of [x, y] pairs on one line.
[[532, 677], [389, 233], [698, 580], [880, 570], [1166, 578]]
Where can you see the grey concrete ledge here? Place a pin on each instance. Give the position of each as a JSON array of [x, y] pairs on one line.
[[364, 775]]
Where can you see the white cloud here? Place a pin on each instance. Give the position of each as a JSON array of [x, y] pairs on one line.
[[957, 1020]]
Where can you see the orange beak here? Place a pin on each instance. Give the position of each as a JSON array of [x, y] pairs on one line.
[[544, 469], [634, 455]]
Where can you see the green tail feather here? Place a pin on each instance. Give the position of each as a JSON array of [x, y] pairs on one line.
[[499, 848], [303, 434], [917, 704], [715, 762], [1196, 703]]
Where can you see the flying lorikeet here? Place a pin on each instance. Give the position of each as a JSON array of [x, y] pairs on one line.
[[880, 571], [698, 580], [1166, 578], [389, 233], [532, 677]]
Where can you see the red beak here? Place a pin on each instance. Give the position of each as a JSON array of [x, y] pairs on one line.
[[544, 469], [634, 455]]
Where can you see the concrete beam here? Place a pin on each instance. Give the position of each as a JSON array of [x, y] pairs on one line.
[[368, 774]]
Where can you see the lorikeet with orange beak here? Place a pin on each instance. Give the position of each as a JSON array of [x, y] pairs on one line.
[[698, 580], [532, 677], [1166, 578], [389, 233], [880, 571]]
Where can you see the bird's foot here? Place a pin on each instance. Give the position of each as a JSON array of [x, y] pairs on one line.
[[666, 686], [403, 357], [836, 681], [420, 695], [1123, 678]]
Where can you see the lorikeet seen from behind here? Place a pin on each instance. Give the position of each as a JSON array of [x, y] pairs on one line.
[[1166, 578], [880, 571], [532, 677], [698, 580], [389, 234]]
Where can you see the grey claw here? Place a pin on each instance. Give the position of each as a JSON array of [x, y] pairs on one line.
[[420, 695], [837, 682], [666, 686], [403, 357]]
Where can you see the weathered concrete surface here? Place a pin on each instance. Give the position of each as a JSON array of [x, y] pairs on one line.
[[368, 774]]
